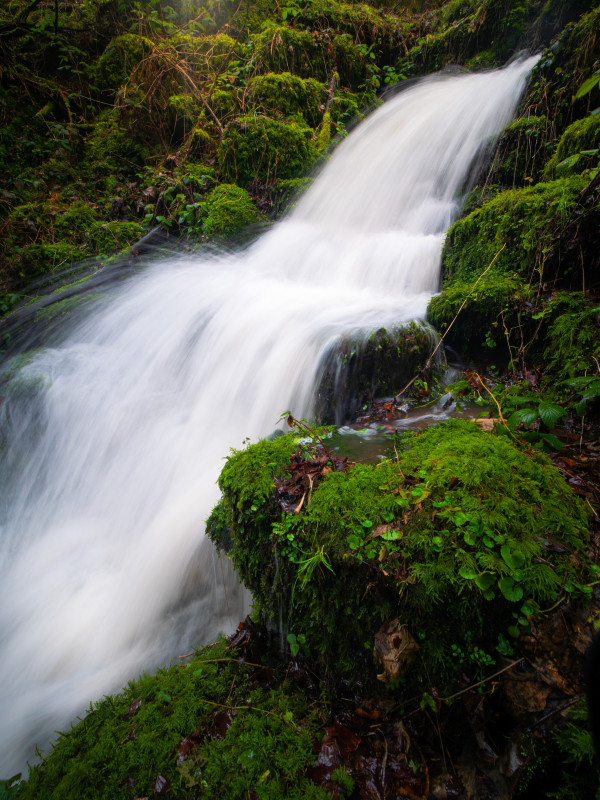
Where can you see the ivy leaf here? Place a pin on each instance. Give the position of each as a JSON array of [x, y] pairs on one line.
[[550, 413]]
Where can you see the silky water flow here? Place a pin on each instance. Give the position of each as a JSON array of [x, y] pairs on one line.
[[114, 437]]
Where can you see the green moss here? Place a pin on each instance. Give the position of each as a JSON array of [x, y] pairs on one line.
[[119, 59], [451, 538], [35, 259], [110, 237], [520, 153], [204, 727], [571, 339], [287, 95], [520, 226], [583, 135], [256, 148], [228, 209], [113, 147], [280, 48], [496, 304]]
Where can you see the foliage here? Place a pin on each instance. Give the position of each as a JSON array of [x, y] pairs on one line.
[[203, 726]]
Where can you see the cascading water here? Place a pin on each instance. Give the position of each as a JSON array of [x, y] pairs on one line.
[[113, 439]]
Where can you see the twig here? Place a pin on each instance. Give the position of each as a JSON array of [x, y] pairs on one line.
[[480, 683]]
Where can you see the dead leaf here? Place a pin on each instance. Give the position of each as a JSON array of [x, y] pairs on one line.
[[396, 648]]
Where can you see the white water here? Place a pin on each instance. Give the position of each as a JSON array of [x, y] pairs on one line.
[[110, 466]]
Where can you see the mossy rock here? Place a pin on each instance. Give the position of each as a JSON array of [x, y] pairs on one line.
[[33, 260], [121, 56], [287, 95], [464, 535], [490, 308], [360, 368], [522, 229], [570, 336], [260, 149], [209, 727], [578, 148], [283, 49], [229, 208]]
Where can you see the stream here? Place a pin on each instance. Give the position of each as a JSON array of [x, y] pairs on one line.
[[111, 439]]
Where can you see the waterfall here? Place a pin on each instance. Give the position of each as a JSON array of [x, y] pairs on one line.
[[112, 439]]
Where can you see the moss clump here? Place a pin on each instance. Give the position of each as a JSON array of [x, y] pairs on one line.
[[571, 341], [112, 146], [259, 149], [228, 209], [207, 727], [463, 534], [119, 59], [36, 259], [521, 226], [110, 237], [287, 95]]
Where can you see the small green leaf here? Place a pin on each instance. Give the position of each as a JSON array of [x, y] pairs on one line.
[[485, 580], [467, 573], [550, 413], [509, 590], [567, 163], [511, 559], [587, 86]]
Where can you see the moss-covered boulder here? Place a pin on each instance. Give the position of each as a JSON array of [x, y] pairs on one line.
[[122, 55], [229, 208], [288, 95], [524, 230], [463, 537], [475, 320], [360, 368], [261, 149], [520, 153]]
